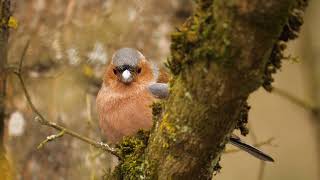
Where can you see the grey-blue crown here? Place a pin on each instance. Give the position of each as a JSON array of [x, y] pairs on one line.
[[127, 56]]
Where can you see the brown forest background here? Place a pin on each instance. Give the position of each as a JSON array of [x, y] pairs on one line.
[[72, 40]]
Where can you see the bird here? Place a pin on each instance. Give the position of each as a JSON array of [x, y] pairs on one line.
[[131, 83]]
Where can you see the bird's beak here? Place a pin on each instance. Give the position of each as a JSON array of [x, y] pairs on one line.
[[126, 77]]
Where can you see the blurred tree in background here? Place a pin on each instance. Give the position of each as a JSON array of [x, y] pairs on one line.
[[5, 172]]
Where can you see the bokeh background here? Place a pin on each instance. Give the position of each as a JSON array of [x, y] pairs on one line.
[[71, 41]]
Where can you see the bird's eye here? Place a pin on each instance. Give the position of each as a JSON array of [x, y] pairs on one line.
[[139, 70], [115, 71]]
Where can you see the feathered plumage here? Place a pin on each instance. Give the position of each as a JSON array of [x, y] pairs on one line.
[[130, 86]]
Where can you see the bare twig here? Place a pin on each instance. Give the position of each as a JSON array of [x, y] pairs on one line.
[[296, 100], [24, 52], [50, 138], [40, 118]]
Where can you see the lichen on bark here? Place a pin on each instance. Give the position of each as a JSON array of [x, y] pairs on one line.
[[131, 151], [217, 60], [218, 57]]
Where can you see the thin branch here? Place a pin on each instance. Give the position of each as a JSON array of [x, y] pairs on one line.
[[50, 138], [296, 100], [40, 118], [24, 52]]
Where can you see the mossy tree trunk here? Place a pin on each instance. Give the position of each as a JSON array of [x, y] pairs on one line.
[[218, 58], [4, 35]]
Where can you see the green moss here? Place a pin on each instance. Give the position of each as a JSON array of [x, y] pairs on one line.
[[192, 37], [157, 108], [168, 129], [131, 151], [200, 39], [203, 42], [217, 167]]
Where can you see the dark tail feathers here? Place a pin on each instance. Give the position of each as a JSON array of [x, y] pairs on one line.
[[236, 141]]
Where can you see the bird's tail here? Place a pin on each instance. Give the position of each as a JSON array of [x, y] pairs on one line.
[[236, 141]]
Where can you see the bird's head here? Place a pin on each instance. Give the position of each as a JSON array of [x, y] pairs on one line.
[[129, 67]]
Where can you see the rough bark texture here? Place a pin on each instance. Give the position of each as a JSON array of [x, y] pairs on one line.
[[217, 58], [4, 35]]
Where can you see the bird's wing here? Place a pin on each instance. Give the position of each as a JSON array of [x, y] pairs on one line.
[[236, 141], [159, 90]]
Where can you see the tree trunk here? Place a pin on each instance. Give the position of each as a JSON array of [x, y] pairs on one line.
[[4, 35], [217, 59]]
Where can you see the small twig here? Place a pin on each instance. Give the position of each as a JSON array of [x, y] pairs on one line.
[[43, 121], [267, 142], [40, 118], [24, 52], [51, 138], [296, 100]]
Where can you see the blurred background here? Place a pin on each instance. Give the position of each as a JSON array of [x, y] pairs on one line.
[[71, 41]]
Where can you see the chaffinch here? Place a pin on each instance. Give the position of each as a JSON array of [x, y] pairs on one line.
[[131, 84]]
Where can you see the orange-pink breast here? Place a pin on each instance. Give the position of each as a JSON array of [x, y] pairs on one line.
[[123, 114]]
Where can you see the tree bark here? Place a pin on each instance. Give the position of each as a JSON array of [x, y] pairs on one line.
[[218, 57], [4, 35]]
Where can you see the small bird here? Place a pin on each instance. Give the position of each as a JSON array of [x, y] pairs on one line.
[[130, 85]]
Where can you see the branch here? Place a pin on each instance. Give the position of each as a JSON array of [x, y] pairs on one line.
[[307, 106], [50, 138], [42, 120]]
